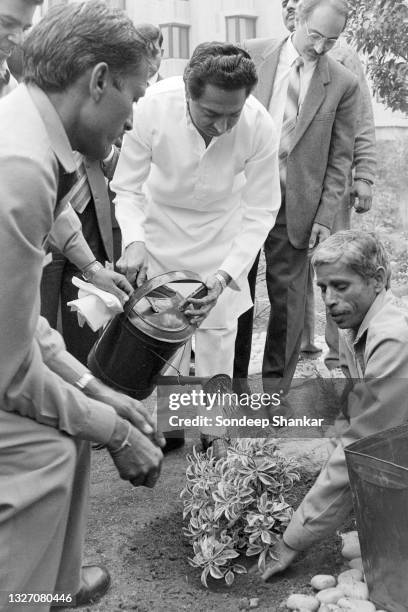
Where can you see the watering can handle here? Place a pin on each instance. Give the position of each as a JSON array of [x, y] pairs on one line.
[[157, 281]]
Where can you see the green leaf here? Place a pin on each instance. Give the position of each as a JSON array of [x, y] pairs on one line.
[[204, 575], [216, 572], [229, 578], [239, 569]]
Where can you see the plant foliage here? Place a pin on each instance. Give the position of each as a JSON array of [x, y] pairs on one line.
[[379, 28], [236, 505]]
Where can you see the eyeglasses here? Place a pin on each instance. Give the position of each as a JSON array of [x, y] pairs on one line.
[[316, 38]]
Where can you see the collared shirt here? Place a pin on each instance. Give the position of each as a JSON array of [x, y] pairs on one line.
[[34, 152], [196, 207], [153, 79], [376, 359], [7, 81], [287, 57]]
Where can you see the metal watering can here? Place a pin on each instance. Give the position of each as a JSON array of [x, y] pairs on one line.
[[137, 345]]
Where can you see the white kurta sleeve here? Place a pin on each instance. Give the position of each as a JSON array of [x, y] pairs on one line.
[[261, 197], [131, 173]]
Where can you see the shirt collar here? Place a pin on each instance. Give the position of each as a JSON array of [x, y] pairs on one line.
[[293, 53], [374, 309], [290, 51], [153, 79], [4, 74], [55, 129]]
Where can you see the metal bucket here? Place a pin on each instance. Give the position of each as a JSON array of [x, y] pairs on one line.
[[378, 471], [136, 346]]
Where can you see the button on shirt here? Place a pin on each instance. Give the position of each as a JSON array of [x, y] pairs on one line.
[[287, 57], [196, 207]]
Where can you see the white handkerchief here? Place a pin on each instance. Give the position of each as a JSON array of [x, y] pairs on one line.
[[94, 306]]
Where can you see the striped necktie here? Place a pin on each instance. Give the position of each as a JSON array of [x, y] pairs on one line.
[[80, 193], [289, 118]]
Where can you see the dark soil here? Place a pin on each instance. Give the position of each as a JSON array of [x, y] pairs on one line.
[[137, 534]]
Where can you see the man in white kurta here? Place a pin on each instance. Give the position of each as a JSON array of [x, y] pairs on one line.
[[200, 199]]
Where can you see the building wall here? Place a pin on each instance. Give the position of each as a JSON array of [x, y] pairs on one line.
[[206, 20]]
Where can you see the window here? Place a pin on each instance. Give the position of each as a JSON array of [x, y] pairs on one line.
[[176, 41], [240, 28]]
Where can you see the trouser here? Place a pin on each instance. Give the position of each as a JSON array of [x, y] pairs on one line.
[[214, 354], [342, 221], [286, 279], [44, 489], [243, 341]]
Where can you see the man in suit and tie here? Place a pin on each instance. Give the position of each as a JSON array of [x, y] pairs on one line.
[[80, 85], [313, 101], [90, 200], [359, 194]]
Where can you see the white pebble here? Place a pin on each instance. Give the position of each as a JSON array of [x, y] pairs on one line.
[[354, 589], [330, 595], [356, 563], [351, 545], [323, 581], [297, 601], [350, 575], [356, 605]]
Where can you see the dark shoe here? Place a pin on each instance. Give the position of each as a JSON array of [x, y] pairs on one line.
[[174, 440], [219, 445], [310, 348], [241, 387], [95, 582]]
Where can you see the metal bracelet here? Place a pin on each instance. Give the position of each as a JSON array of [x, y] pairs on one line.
[[364, 180], [84, 380], [91, 269], [221, 279], [124, 443]]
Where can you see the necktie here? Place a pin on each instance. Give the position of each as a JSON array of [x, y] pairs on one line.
[[4, 78], [80, 193], [289, 118]]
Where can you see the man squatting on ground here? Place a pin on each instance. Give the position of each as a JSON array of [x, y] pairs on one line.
[[77, 95], [353, 273], [197, 187]]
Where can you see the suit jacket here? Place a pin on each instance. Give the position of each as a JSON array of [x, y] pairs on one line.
[[34, 154], [320, 156], [365, 159]]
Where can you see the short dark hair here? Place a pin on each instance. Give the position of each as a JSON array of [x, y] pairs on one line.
[[72, 38], [363, 252], [150, 33], [220, 64], [306, 7]]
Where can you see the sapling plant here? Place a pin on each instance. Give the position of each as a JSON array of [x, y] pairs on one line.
[[236, 505]]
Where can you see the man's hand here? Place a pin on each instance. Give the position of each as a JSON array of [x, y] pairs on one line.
[[133, 263], [361, 196], [127, 408], [136, 458], [319, 234], [285, 555], [109, 281], [196, 310]]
